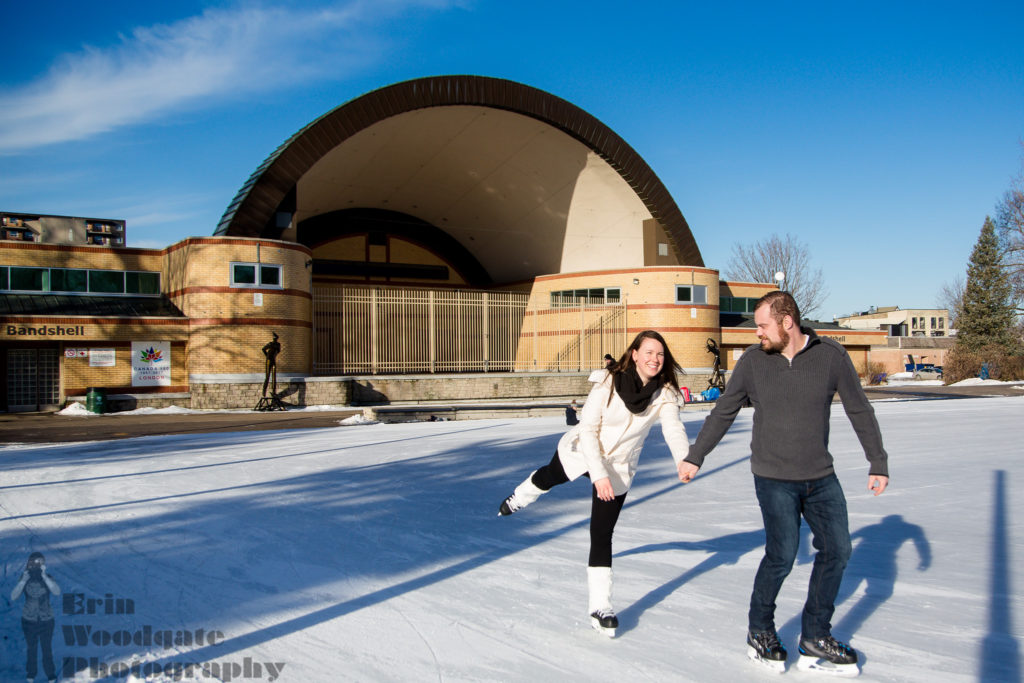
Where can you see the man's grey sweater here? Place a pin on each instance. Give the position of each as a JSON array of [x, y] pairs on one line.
[[792, 402]]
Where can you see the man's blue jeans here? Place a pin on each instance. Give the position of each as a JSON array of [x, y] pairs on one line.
[[823, 505]]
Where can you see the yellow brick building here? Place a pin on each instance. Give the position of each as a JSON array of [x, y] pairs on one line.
[[446, 225]]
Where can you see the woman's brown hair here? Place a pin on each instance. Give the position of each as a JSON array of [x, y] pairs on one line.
[[667, 376]]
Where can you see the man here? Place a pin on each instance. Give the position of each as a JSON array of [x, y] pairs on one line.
[[790, 377]]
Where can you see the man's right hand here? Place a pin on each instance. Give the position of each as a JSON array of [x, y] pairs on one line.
[[687, 471]]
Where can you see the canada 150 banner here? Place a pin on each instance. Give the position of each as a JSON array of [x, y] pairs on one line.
[[151, 364]]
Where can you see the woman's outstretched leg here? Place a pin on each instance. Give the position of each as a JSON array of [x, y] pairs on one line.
[[603, 516], [540, 481]]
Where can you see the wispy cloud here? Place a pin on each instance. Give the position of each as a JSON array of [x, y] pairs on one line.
[[198, 61]]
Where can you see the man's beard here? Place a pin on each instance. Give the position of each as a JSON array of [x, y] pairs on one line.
[[776, 347]]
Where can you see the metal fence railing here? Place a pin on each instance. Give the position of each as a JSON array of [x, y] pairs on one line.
[[378, 330]]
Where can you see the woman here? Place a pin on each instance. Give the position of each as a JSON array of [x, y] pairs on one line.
[[624, 403], [37, 614]]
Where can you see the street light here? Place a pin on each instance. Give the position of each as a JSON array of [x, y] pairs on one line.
[[780, 277]]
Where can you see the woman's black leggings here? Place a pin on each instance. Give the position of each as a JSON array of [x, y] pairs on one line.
[[603, 514]]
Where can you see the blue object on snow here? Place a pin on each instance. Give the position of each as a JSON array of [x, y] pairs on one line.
[[711, 394]]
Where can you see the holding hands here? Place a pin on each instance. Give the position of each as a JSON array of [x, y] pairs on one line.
[[687, 471]]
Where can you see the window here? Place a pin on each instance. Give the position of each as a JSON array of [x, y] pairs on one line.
[[942, 322], [736, 304], [242, 275], [79, 281], [933, 323], [30, 279], [270, 276], [691, 294], [106, 281], [586, 297], [67, 280], [141, 283], [255, 275], [662, 249]]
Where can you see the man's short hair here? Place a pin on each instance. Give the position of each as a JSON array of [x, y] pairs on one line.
[[781, 304]]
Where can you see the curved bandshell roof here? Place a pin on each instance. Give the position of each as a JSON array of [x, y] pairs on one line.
[[527, 182]]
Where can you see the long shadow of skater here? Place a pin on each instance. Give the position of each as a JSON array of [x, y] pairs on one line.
[[873, 561], [724, 550], [1000, 653]]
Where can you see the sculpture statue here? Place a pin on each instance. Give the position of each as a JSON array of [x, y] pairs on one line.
[[271, 350], [717, 379]]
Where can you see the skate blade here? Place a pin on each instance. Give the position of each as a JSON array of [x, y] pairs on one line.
[[777, 667], [811, 663], [596, 625]]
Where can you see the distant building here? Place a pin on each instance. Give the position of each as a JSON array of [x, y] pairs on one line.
[[45, 229], [915, 336], [913, 322]]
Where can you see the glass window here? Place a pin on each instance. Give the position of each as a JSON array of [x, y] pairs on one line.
[[270, 276], [942, 322], [933, 322], [67, 280], [586, 297], [142, 283], [106, 281], [243, 274], [255, 275], [29, 279], [4, 271], [662, 249], [691, 294]]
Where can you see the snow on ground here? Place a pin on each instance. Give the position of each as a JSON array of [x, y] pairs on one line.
[[373, 553]]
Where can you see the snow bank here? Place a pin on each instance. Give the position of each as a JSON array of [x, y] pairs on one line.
[[358, 419]]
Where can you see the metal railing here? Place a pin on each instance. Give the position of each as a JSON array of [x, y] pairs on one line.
[[378, 330]]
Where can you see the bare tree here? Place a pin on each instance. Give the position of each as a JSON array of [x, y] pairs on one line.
[[1010, 228], [951, 297], [760, 261]]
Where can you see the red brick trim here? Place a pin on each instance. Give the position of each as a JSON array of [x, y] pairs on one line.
[[211, 322], [224, 289]]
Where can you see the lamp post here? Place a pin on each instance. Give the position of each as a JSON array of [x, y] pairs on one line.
[[780, 277]]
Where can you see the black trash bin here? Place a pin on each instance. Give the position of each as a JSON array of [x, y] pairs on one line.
[[96, 399]]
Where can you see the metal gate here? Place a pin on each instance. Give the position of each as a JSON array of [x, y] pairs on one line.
[[375, 330], [33, 379]]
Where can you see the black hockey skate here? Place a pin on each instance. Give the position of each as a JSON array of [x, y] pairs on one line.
[[828, 655], [605, 621], [764, 647]]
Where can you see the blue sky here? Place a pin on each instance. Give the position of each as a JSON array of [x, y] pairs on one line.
[[879, 134]]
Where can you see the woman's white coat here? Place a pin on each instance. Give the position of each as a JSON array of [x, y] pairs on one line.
[[608, 440]]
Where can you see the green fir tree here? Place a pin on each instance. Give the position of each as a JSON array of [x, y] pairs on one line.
[[987, 317]]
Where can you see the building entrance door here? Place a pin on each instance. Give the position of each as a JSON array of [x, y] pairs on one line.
[[33, 379]]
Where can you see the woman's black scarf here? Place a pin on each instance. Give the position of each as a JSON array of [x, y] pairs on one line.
[[634, 393]]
